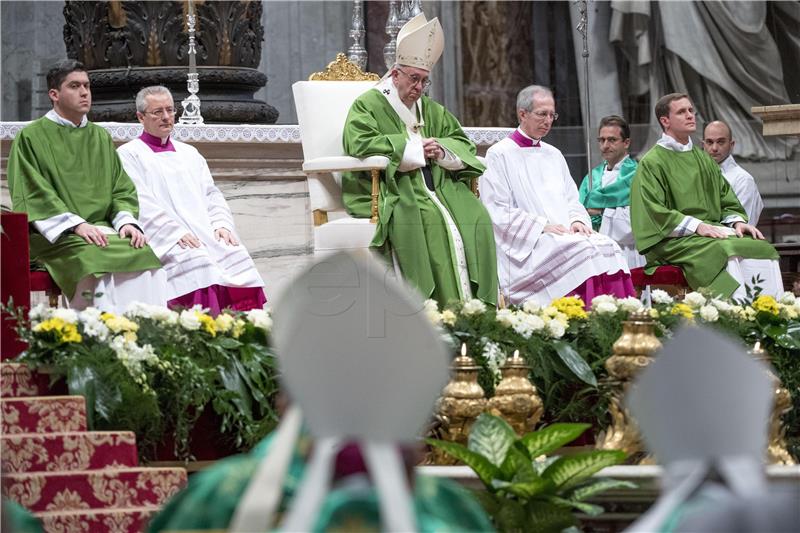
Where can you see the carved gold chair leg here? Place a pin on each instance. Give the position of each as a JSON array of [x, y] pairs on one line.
[[376, 176]]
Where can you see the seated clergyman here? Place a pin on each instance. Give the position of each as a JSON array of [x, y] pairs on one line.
[[685, 213], [64, 173], [546, 248], [606, 194], [188, 221]]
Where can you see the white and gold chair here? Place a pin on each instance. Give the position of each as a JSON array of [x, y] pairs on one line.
[[322, 105]]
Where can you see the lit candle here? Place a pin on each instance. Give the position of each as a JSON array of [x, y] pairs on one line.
[[463, 349], [516, 354]]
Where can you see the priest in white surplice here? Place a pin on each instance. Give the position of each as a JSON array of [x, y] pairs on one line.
[[546, 248], [718, 143], [185, 216]]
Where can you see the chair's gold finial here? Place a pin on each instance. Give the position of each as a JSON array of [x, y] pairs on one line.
[[342, 69]]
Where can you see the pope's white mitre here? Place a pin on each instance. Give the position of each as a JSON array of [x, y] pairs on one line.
[[420, 43]]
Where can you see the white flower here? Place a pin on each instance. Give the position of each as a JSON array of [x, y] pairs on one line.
[[797, 305], [494, 355], [694, 300], [630, 304], [448, 317], [473, 307], [661, 297], [188, 319], [95, 328], [787, 298], [39, 312], [531, 306], [722, 305], [526, 324], [604, 307], [70, 316], [431, 305], [556, 328], [260, 318], [505, 317], [709, 313], [597, 301]]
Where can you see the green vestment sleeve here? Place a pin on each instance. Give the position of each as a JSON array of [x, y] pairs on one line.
[[616, 194]]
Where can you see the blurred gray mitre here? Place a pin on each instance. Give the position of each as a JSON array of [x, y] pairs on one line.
[[357, 352]]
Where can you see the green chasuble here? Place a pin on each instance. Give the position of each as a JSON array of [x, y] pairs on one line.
[[410, 225], [670, 185], [209, 501], [616, 194], [55, 169]]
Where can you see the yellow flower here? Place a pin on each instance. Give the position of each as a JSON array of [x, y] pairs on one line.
[[224, 322], [571, 306], [654, 313], [118, 323], [683, 310], [238, 328], [70, 334], [64, 332], [207, 323], [766, 303], [51, 324], [129, 336], [448, 317]]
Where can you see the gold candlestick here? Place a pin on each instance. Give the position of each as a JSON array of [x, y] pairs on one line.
[[632, 352], [515, 398], [777, 451], [461, 402]]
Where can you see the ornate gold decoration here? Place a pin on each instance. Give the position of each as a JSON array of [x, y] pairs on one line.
[[777, 451], [515, 398], [67, 500], [461, 402], [342, 69], [632, 352]]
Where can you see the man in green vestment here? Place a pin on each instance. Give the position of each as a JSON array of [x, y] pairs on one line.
[[430, 223], [684, 213], [606, 194], [63, 171]]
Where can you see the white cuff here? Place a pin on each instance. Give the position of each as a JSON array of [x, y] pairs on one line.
[[730, 220], [450, 161], [413, 155], [122, 218], [52, 228], [687, 227]]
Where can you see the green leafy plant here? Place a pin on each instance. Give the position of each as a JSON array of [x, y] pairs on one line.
[[525, 490]]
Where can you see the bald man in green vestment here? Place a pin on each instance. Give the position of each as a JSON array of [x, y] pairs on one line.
[[63, 171], [684, 213]]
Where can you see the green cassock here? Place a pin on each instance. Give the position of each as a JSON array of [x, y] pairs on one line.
[[409, 223], [667, 187], [55, 169], [616, 194], [211, 498]]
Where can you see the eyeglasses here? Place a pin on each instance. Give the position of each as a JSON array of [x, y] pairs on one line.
[[425, 82], [541, 115], [159, 112]]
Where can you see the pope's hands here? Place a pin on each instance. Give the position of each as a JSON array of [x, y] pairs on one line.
[[709, 230], [741, 228], [432, 149], [226, 236], [189, 241], [91, 234]]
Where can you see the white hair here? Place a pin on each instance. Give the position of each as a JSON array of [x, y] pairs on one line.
[[141, 105], [526, 95]]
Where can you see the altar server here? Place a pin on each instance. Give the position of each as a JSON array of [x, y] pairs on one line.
[[606, 194], [718, 143], [684, 213], [430, 224], [64, 173], [185, 215], [546, 248]]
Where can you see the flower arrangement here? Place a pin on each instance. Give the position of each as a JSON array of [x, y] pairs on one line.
[[567, 346], [154, 371]]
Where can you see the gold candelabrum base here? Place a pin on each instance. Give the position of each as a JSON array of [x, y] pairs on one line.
[[515, 398], [777, 451], [461, 402], [632, 352]]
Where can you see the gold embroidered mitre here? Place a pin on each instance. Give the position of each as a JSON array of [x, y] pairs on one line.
[[420, 43]]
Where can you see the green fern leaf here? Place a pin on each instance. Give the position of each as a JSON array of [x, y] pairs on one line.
[[491, 437], [551, 438], [485, 470], [569, 471], [594, 487]]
